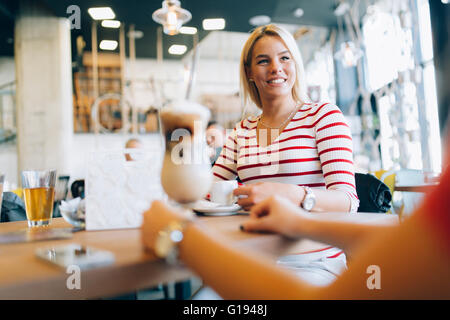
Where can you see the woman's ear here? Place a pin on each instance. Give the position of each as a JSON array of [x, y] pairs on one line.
[[248, 73]]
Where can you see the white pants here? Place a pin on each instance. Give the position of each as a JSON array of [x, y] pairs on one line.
[[319, 268]]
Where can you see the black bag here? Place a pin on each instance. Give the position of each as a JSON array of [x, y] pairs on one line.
[[373, 194], [13, 208]]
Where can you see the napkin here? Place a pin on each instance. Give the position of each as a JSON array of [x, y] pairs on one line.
[[74, 211], [71, 205]]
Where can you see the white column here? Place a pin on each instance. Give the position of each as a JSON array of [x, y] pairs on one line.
[[43, 93]]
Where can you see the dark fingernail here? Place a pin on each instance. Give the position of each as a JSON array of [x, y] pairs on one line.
[[242, 227]]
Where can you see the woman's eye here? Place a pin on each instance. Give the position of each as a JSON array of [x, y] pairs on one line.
[[262, 61], [285, 58]]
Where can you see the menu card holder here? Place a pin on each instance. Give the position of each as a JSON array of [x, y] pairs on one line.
[[118, 191]]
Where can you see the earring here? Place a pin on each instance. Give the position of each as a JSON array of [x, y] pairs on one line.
[[251, 80]]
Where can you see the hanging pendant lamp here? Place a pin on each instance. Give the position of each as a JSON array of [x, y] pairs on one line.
[[171, 16]]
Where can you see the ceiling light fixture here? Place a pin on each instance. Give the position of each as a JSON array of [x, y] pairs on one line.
[[188, 30], [259, 20], [177, 49], [348, 54], [111, 23], [101, 13], [171, 16], [298, 13], [214, 24], [108, 44]]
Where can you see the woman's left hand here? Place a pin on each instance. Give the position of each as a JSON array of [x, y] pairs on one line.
[[157, 218], [258, 192]]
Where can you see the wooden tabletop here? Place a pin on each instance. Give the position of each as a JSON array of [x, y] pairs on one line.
[[24, 276], [425, 187]]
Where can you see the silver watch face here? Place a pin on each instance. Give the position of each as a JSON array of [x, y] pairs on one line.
[[309, 201], [167, 241], [309, 204]]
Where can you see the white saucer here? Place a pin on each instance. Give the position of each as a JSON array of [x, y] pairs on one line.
[[215, 209]]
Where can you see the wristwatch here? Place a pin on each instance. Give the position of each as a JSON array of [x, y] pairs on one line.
[[309, 201], [168, 240]]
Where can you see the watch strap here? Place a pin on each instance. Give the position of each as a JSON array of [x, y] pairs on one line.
[[169, 238]]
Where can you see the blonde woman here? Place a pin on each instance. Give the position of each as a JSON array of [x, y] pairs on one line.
[[297, 149]]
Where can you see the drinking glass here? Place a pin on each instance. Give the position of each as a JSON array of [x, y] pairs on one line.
[[186, 172], [39, 194], [2, 179]]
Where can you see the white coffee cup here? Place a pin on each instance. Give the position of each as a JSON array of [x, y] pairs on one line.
[[222, 192]]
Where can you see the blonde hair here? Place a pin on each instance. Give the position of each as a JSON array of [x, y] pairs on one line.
[[249, 91]]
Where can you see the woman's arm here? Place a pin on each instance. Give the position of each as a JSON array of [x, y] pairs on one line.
[[326, 200], [335, 149], [279, 215], [409, 260], [233, 273], [226, 164]]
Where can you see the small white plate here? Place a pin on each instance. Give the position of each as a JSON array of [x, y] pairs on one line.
[[215, 209]]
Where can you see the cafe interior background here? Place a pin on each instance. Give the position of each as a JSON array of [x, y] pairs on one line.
[[71, 84]]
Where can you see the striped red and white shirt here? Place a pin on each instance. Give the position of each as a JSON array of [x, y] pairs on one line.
[[315, 149]]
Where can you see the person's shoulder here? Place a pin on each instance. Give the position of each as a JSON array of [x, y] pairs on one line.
[[247, 123], [324, 106], [317, 110]]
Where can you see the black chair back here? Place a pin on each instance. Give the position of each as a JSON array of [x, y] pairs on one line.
[[374, 195], [77, 189]]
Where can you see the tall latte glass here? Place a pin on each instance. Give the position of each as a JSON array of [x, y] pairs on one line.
[[2, 178], [39, 194], [186, 172]]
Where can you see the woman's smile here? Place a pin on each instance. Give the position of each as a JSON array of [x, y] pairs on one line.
[[277, 81]]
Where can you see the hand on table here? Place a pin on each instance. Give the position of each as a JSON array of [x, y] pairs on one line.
[[258, 192], [276, 214]]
